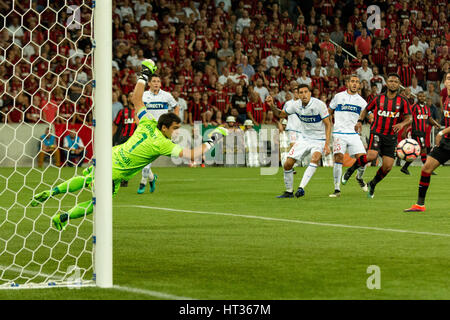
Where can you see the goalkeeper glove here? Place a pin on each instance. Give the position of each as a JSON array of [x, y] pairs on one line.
[[216, 135], [148, 67]]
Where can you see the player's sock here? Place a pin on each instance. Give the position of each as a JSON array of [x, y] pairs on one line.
[[71, 185], [337, 173], [360, 162], [147, 175], [406, 165], [423, 157], [81, 210], [379, 176], [309, 172], [289, 180], [423, 187], [360, 172]]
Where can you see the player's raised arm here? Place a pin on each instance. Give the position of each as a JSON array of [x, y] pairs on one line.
[[276, 112], [148, 68]]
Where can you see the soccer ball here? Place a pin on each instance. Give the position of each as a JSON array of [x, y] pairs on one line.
[[408, 150]]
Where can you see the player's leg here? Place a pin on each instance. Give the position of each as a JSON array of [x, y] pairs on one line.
[[288, 175], [71, 185], [337, 174], [309, 172], [364, 159], [295, 153], [388, 163], [437, 156], [339, 148], [60, 220], [147, 175]]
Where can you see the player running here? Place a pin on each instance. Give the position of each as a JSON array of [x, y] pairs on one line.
[[387, 111], [150, 140], [157, 103], [421, 115], [347, 107], [439, 155], [315, 137]]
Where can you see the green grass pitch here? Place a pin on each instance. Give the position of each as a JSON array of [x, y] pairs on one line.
[[228, 237]]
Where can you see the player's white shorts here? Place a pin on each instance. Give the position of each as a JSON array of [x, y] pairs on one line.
[[305, 146], [350, 143], [294, 136]]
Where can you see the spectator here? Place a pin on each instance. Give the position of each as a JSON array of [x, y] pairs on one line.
[[239, 104], [182, 104], [431, 94], [364, 43], [377, 80], [318, 66], [415, 46], [261, 90], [256, 110], [415, 88], [304, 79], [195, 108], [73, 148], [246, 67], [406, 72], [364, 72], [48, 147], [243, 22]]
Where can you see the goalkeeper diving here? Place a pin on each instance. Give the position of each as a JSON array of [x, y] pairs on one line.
[[150, 140]]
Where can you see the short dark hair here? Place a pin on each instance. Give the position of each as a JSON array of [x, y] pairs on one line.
[[303, 85], [393, 74], [167, 119]]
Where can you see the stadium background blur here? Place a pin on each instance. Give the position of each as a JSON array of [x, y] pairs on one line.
[[233, 53]]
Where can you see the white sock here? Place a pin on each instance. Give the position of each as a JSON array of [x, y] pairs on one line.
[[309, 172], [289, 180], [360, 172], [337, 173], [147, 174]]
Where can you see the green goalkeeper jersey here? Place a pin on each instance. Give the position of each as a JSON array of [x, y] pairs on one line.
[[145, 145]]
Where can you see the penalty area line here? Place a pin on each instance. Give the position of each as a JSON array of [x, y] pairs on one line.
[[322, 224]]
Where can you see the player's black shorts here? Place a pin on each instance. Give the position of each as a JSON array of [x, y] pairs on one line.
[[420, 138], [384, 145], [442, 152]]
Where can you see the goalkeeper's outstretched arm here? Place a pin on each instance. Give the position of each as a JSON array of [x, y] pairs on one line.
[[215, 136]]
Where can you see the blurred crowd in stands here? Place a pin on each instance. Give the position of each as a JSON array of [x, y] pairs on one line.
[[220, 58]]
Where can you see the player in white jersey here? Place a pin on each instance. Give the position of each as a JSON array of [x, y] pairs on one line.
[[293, 122], [157, 102], [315, 128], [346, 107]]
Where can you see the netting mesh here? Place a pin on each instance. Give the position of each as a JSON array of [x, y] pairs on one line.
[[46, 74]]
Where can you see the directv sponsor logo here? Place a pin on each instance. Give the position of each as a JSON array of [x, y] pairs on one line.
[[310, 119], [349, 108], [156, 105]]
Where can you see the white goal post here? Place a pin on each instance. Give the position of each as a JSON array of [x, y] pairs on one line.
[[33, 254]]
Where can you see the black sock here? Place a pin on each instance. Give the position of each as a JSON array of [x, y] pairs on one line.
[[407, 164], [379, 176], [423, 187]]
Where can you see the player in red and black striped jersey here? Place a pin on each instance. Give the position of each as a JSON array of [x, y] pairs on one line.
[[421, 116], [124, 125], [387, 110], [439, 155]]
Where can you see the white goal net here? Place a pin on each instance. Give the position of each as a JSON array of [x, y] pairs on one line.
[[46, 114]]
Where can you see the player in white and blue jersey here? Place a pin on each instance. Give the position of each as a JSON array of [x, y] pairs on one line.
[[157, 102], [347, 107], [315, 128], [293, 122]]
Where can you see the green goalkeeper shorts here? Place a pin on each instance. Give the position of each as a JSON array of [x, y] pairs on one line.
[[88, 173]]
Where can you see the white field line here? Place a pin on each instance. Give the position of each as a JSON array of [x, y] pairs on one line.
[[322, 224], [144, 292], [151, 293]]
